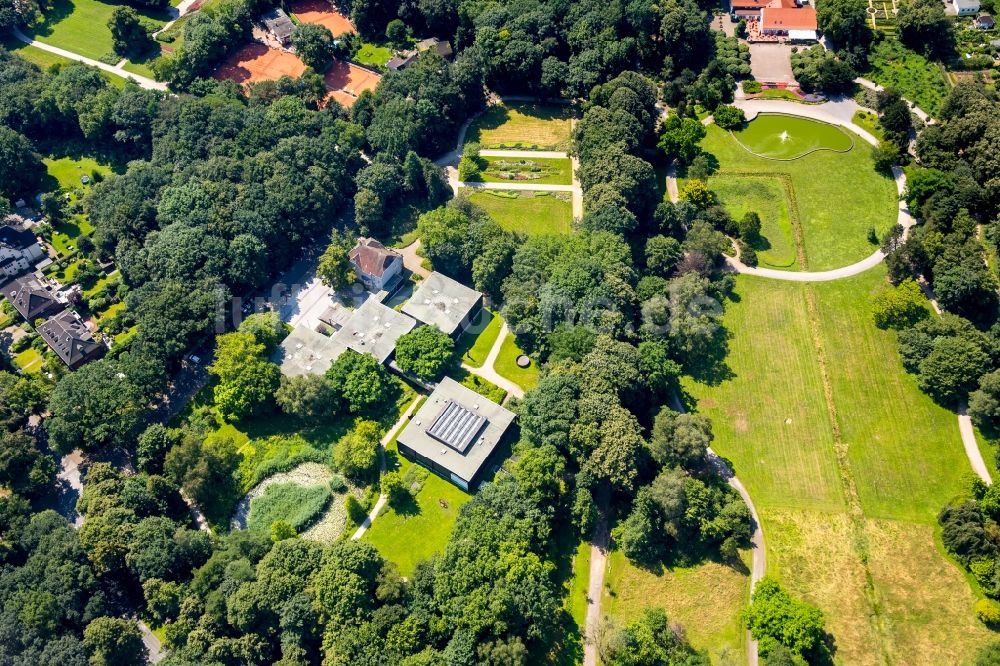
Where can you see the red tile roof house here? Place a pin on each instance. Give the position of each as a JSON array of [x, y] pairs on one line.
[[375, 264], [796, 23]]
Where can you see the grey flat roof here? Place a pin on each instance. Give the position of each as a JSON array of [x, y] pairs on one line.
[[373, 329], [441, 301], [306, 352], [465, 464]]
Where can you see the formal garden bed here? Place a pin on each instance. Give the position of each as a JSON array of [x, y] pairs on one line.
[[540, 171]]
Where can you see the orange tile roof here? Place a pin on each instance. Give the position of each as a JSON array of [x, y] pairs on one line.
[[800, 18]]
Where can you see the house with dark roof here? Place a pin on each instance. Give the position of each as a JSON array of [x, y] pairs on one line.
[[279, 25], [985, 21], [375, 265], [457, 434], [407, 58], [69, 338], [32, 298], [19, 250]]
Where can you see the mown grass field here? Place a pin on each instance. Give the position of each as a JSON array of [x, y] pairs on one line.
[[539, 170], [373, 55], [839, 196], [706, 599], [766, 197], [81, 26], [531, 213], [780, 420], [474, 346], [421, 528], [528, 126], [506, 365]]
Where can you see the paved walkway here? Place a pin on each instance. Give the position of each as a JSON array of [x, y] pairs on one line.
[[412, 261], [142, 81], [595, 587], [382, 499], [154, 649], [487, 372]]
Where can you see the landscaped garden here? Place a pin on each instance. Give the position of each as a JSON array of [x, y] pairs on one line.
[[532, 213], [537, 170], [373, 55], [848, 463], [783, 137], [838, 195], [524, 126], [912, 75], [66, 174]]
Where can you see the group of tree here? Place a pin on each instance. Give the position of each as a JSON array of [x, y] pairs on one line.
[[969, 533]]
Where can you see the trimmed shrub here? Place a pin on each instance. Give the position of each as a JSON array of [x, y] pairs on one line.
[[988, 612]]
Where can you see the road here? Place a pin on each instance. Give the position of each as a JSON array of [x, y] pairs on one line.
[[152, 643], [595, 587], [142, 81]]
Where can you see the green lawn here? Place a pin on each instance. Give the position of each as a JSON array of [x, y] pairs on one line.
[[531, 213], [506, 365], [28, 361], [914, 76], [475, 346], [81, 26], [803, 358], [64, 173], [784, 137], [868, 121], [373, 55], [420, 529], [706, 600], [540, 171], [522, 125], [44, 59], [577, 586], [838, 196], [766, 197]]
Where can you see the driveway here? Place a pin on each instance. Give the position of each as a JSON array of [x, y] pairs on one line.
[[771, 63]]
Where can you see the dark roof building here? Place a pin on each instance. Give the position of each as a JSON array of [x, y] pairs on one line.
[[455, 433], [985, 22], [17, 237], [279, 25], [32, 299], [68, 337]]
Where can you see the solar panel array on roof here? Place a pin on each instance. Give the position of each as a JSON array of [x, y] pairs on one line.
[[456, 426]]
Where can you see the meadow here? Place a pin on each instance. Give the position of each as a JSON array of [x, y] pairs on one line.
[[915, 77], [839, 196], [848, 464], [532, 213], [526, 126], [295, 504], [81, 26]]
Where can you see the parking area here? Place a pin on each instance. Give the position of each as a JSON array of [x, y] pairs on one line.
[[771, 63]]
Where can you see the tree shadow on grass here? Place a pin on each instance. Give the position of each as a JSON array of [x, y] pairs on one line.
[[406, 505]]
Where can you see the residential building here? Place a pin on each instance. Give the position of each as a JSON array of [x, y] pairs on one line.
[[373, 329], [985, 22], [456, 433], [19, 250], [306, 352], [375, 265], [70, 339], [966, 7], [445, 303], [407, 58], [32, 298]]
